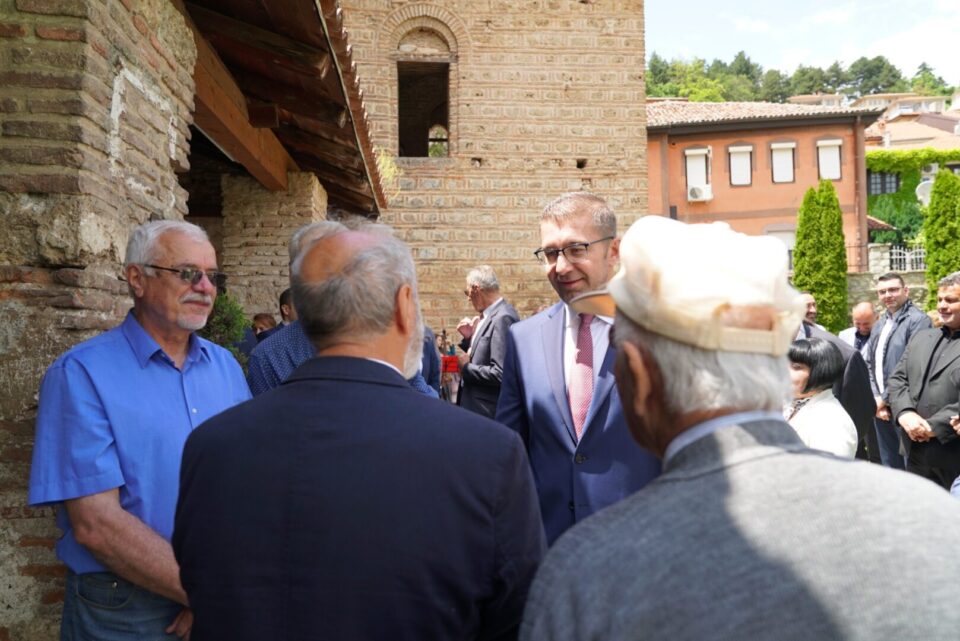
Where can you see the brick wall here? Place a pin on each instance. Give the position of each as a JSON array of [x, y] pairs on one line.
[[544, 98], [257, 226], [95, 103]]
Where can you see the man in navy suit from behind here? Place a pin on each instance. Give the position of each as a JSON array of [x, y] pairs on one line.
[[343, 504], [558, 390]]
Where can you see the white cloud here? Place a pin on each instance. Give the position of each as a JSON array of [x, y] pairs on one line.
[[931, 40], [751, 25], [835, 16]]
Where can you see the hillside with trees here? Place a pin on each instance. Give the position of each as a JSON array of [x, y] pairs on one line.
[[742, 80]]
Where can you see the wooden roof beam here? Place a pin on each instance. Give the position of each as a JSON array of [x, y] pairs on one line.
[[292, 99], [239, 42], [221, 113]]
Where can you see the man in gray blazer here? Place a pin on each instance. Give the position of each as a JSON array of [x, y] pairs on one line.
[[924, 391], [888, 341], [484, 342], [747, 534]]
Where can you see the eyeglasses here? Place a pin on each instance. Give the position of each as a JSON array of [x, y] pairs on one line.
[[574, 252], [194, 276]]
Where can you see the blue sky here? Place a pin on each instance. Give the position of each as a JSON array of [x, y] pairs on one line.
[[782, 34]]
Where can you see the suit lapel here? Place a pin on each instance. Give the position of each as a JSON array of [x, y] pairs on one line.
[[553, 340], [488, 321], [950, 353]]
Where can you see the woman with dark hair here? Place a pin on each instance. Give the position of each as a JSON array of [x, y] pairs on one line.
[[815, 413]]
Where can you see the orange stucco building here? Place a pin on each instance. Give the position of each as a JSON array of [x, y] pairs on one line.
[[749, 164]]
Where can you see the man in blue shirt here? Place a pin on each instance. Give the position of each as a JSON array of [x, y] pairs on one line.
[[114, 414]]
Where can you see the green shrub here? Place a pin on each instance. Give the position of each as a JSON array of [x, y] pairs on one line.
[[226, 325], [820, 255], [941, 231]]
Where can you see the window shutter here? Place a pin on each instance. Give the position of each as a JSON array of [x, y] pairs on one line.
[[828, 155], [740, 169], [783, 162]]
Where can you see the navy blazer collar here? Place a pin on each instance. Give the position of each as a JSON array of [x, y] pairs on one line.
[[340, 368]]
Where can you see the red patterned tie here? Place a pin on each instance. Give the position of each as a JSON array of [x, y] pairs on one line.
[[581, 376]]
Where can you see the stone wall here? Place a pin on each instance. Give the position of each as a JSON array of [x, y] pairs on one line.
[[257, 226], [545, 97], [95, 103], [862, 287]]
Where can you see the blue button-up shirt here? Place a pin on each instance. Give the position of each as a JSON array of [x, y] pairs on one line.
[[114, 413], [274, 359]]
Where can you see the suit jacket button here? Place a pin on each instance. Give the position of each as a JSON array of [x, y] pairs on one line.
[[570, 505], [579, 458]]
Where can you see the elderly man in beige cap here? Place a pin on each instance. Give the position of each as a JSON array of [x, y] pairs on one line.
[[747, 534]]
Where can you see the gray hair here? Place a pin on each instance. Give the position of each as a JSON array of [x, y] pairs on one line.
[[950, 280], [696, 379], [483, 277], [142, 245], [359, 301], [575, 204]]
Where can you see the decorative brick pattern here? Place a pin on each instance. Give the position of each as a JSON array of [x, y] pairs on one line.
[[536, 90]]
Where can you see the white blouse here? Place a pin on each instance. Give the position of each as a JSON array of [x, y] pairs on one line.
[[823, 424]]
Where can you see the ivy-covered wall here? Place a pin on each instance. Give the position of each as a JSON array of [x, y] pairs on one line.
[[897, 208], [907, 163]]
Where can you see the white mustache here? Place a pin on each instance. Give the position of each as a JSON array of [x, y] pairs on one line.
[[196, 297]]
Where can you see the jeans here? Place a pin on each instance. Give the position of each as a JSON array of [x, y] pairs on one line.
[[100, 606], [888, 438]]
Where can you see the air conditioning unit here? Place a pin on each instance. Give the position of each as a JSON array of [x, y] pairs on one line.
[[700, 193]]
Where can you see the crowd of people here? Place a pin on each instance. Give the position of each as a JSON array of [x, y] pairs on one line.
[[667, 452]]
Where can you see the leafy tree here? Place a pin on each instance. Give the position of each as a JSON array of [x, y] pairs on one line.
[[836, 78], [774, 86], [694, 83], [717, 69], [743, 66], [820, 255], [737, 88], [941, 228], [226, 325], [907, 217], [806, 80], [658, 72], [926, 83], [875, 75]]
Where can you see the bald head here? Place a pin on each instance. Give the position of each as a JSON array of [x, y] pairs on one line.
[[864, 316], [329, 256], [356, 294]]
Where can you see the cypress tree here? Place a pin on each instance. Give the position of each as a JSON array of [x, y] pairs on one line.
[[941, 231], [805, 256], [832, 297], [820, 255]]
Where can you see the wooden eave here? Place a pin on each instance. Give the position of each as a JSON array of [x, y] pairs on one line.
[[291, 63]]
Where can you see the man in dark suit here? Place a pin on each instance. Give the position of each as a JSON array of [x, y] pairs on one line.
[[484, 342], [558, 387], [853, 391], [343, 504], [924, 390]]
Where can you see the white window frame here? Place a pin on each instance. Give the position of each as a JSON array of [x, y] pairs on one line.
[[778, 169], [741, 165], [828, 159], [696, 159]]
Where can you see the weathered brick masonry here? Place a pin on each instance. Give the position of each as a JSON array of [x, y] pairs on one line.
[[546, 96], [95, 103]]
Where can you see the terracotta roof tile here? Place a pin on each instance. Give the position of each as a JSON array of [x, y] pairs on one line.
[[667, 113]]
